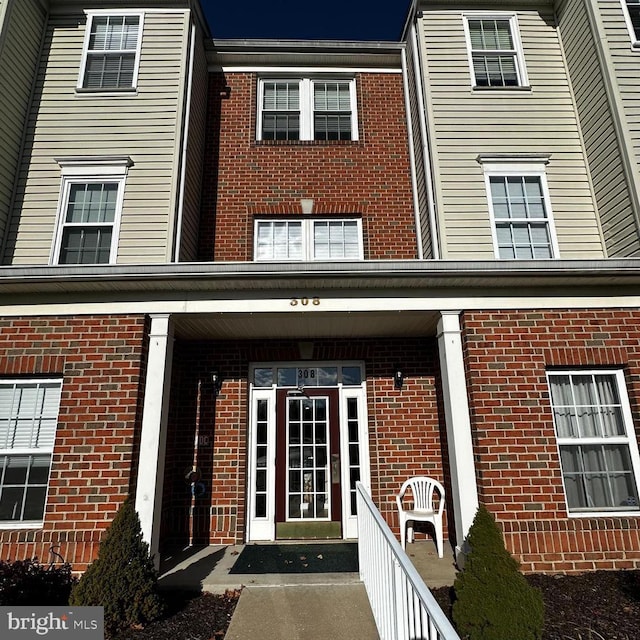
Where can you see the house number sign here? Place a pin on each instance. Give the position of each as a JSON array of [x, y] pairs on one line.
[[305, 302]]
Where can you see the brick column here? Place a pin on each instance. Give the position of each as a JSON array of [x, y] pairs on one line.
[[154, 430], [458, 422]]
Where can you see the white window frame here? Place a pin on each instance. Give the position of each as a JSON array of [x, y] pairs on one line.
[[519, 168], [306, 89], [635, 37], [30, 451], [629, 439], [104, 13], [517, 51], [92, 171], [308, 247]]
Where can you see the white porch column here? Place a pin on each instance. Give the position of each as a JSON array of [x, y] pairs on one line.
[[153, 439], [458, 422]]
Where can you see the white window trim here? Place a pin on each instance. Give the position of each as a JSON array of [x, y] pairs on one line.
[[82, 171], [32, 524], [306, 103], [534, 166], [85, 48], [307, 237], [521, 69], [630, 439], [635, 42]]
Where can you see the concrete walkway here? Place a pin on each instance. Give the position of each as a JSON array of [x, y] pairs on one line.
[[292, 606]]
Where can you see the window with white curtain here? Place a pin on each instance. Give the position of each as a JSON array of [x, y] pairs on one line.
[[596, 440], [28, 422], [308, 239], [111, 51], [495, 53], [307, 109]]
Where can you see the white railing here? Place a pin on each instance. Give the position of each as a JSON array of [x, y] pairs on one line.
[[402, 605]]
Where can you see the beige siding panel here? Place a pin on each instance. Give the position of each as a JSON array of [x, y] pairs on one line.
[[20, 38], [611, 188], [188, 250], [466, 123], [144, 126]]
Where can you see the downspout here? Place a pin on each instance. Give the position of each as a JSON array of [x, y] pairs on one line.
[[412, 155], [435, 240], [185, 138]]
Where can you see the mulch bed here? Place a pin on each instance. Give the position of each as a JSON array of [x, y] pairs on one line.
[[600, 605]]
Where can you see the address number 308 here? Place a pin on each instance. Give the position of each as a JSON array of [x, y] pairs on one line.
[[305, 302]]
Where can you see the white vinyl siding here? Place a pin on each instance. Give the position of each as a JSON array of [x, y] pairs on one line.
[[28, 422], [465, 123], [308, 239], [307, 109], [144, 125], [596, 441], [111, 52]]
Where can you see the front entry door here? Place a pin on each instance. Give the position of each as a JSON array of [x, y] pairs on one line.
[[308, 491]]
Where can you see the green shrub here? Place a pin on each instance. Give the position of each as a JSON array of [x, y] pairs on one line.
[[493, 601], [123, 578], [29, 583]]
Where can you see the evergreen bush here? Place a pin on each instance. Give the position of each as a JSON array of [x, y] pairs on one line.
[[493, 600], [29, 583], [123, 578]]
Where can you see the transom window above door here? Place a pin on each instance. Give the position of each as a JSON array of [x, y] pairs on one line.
[[308, 239], [307, 109]]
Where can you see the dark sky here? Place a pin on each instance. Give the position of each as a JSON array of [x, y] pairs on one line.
[[294, 19]]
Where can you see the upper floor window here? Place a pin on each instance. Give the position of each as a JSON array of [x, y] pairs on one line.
[[522, 224], [111, 51], [631, 10], [28, 422], [307, 109], [308, 239], [495, 53], [596, 439], [89, 212]]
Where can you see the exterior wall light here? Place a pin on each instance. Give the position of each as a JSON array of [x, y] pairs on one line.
[[398, 378], [216, 380]]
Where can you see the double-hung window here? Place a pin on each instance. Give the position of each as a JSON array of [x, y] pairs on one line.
[[307, 109], [89, 212], [28, 421], [520, 210], [111, 51], [596, 440], [495, 52], [308, 239], [631, 9]]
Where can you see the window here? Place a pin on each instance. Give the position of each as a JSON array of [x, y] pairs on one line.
[[111, 52], [28, 421], [89, 215], [294, 109], [596, 439], [631, 10], [308, 239], [522, 224], [494, 51]]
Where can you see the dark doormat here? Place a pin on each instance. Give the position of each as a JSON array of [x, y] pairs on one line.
[[340, 557]]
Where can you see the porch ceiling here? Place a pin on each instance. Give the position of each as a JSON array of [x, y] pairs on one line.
[[246, 326]]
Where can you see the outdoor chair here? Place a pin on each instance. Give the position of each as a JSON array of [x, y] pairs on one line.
[[424, 508]]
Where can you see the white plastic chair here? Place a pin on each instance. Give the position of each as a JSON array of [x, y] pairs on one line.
[[424, 508]]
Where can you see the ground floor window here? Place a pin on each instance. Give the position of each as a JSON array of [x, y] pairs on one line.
[[28, 421], [596, 440]]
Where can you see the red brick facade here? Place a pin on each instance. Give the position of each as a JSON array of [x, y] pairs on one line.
[[369, 177], [517, 464], [101, 361]]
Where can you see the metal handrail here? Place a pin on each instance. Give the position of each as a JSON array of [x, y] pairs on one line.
[[402, 605]]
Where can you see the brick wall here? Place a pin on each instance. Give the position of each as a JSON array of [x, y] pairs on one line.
[[100, 360], [369, 177], [519, 476], [405, 434]]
